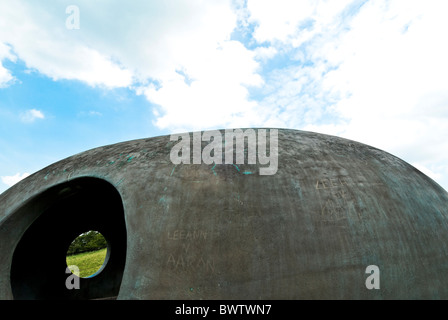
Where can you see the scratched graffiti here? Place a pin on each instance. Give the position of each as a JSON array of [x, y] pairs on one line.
[[117, 162], [184, 262], [331, 183], [333, 210], [338, 206], [188, 260], [189, 235]]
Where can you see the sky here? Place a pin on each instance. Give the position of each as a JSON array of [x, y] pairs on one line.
[[75, 75]]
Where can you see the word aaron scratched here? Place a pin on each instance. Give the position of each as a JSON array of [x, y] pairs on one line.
[[186, 260]]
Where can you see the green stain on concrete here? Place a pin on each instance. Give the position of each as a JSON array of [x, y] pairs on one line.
[[244, 172]]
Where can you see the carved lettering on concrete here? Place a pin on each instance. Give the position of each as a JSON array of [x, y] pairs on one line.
[[186, 260], [331, 183], [188, 235]]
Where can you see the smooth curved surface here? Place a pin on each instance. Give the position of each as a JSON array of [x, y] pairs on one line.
[[204, 231]]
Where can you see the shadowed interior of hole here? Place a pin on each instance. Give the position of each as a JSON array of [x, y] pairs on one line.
[[64, 212]]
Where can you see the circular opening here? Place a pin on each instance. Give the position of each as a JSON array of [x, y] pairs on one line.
[[87, 255], [46, 227]]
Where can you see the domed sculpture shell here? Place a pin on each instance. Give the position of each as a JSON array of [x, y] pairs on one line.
[[336, 219]]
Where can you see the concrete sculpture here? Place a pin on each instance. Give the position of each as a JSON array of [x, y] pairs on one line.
[[333, 214]]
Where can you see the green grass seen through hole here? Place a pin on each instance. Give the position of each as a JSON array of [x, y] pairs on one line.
[[88, 262]]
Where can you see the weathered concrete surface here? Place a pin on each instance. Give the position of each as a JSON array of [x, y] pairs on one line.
[[194, 231]]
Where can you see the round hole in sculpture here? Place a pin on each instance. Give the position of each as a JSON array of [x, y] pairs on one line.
[[53, 220], [88, 254]]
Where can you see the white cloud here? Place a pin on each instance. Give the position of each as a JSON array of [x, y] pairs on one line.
[[118, 42], [5, 75], [278, 20], [433, 175], [137, 44], [95, 113], [375, 72], [293, 22], [216, 96], [38, 35], [390, 76], [372, 71], [12, 180], [265, 53], [31, 115]]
